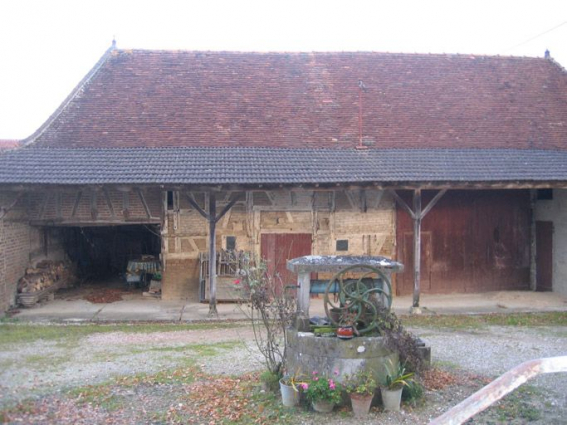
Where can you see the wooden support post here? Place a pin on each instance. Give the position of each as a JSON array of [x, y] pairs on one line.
[[417, 215], [533, 246], [212, 255], [212, 218], [416, 247], [304, 282]]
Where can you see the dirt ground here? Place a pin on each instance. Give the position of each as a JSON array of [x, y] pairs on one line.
[[142, 374]]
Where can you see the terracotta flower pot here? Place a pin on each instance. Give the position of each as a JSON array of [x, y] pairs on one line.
[[345, 332], [361, 404]]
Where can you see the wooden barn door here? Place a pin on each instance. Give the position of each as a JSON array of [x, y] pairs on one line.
[[472, 241], [404, 282], [276, 249], [544, 255]]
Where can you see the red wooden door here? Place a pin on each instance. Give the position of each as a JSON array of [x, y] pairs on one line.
[[276, 249], [405, 281], [544, 257]]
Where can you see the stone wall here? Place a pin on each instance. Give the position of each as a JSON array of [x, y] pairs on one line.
[[555, 210]]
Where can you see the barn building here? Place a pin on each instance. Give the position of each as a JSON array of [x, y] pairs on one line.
[[457, 161]]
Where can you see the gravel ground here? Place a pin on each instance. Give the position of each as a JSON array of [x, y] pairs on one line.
[[40, 369]]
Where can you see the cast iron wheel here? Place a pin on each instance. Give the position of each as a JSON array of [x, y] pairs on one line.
[[359, 298]]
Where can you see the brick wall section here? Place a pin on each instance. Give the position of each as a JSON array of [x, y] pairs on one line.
[[15, 246], [14, 257]]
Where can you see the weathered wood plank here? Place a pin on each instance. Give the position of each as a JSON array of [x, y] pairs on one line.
[[77, 202], [212, 255]]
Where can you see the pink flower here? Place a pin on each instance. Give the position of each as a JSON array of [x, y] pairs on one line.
[[236, 282], [316, 378], [305, 386], [336, 372], [314, 372], [332, 384]]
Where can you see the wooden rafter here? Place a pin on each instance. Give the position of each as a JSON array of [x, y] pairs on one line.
[[126, 204], [108, 202], [76, 204], [94, 202], [5, 210], [44, 204], [144, 203]]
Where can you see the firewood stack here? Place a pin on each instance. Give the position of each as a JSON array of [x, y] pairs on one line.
[[47, 274]]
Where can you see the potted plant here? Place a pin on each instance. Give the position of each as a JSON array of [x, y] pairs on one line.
[[289, 388], [323, 392], [361, 387], [392, 386], [347, 325]]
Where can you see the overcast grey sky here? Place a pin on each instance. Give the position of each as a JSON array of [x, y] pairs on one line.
[[46, 47]]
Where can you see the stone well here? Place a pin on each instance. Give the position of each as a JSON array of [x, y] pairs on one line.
[[306, 353]]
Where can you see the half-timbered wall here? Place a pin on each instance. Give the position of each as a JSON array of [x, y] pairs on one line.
[[363, 218]]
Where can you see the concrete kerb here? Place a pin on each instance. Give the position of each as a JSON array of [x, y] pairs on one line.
[[181, 311]]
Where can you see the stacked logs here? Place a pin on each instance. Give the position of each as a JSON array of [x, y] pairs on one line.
[[47, 274]]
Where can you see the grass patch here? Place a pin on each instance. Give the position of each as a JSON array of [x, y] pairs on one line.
[[40, 361], [202, 350], [13, 333], [484, 320], [518, 405]]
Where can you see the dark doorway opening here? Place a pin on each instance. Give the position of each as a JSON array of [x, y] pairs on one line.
[[102, 254], [544, 255]]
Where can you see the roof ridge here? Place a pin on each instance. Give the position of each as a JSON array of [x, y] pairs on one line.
[[330, 52], [86, 79]]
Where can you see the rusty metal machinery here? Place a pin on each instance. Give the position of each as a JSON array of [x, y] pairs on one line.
[[357, 301]]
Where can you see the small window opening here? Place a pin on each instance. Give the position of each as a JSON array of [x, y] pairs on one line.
[[545, 194], [230, 243], [170, 202], [342, 245]]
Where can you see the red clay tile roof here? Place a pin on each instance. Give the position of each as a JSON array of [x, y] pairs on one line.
[[297, 100]]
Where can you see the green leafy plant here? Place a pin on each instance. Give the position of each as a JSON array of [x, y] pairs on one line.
[[413, 392], [396, 377], [362, 383], [270, 379], [322, 388], [399, 340]]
